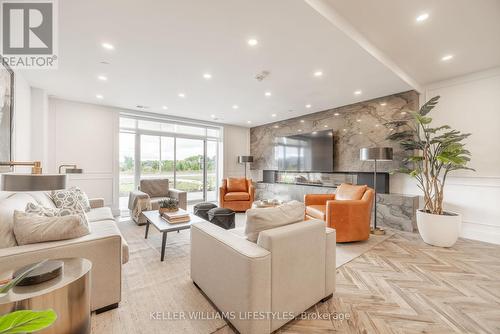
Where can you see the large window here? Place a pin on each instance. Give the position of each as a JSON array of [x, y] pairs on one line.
[[186, 154]]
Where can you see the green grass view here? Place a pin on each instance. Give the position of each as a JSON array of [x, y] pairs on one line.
[[189, 173]]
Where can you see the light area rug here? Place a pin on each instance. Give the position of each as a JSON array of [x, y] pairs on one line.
[[155, 292]]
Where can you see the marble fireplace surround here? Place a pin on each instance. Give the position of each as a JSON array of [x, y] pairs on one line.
[[354, 126]]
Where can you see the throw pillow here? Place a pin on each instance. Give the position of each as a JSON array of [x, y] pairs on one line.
[[31, 228], [51, 212], [70, 198], [349, 192], [260, 219]]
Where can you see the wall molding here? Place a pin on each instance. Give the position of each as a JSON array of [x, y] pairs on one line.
[[477, 76]]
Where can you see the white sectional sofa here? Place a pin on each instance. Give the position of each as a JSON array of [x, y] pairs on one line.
[[260, 285], [104, 246]]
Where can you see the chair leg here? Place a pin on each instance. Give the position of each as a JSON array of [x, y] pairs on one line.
[[326, 298], [106, 308]]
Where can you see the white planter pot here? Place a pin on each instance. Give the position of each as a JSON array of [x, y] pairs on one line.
[[439, 230]]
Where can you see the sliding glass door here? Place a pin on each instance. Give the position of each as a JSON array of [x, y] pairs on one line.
[[189, 168], [157, 157]]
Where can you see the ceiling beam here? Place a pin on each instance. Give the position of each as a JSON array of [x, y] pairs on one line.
[[327, 11]]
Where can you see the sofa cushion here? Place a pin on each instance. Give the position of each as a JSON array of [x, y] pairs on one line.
[[236, 185], [100, 214], [237, 196], [30, 228], [349, 192], [155, 187], [316, 211], [260, 219]]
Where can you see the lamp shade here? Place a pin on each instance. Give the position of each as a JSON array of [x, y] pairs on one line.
[[33, 182], [375, 153], [245, 158]]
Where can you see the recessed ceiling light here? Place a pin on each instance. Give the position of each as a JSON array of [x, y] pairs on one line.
[[302, 121], [99, 96], [299, 130], [249, 122], [383, 104], [308, 106], [276, 126], [207, 76], [377, 125], [235, 106], [422, 17], [181, 95], [314, 132], [252, 42], [273, 115], [447, 57], [358, 92], [360, 133], [164, 107], [108, 46], [345, 130], [102, 78], [325, 126], [213, 116], [267, 94], [318, 73], [358, 120], [336, 114]]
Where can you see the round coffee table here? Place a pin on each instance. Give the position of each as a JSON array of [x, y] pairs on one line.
[[68, 295]]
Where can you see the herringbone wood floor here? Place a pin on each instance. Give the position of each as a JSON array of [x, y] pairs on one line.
[[406, 286]]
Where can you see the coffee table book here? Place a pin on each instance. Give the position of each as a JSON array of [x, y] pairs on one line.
[[179, 216]]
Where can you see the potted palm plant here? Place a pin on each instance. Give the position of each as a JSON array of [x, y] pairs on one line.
[[432, 153]]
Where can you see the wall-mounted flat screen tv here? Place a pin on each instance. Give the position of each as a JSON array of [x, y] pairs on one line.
[[311, 152]]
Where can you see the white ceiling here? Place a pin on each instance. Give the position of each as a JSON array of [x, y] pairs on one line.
[[468, 29], [163, 48]]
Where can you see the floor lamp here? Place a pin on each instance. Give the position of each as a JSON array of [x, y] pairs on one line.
[[244, 159], [375, 154]]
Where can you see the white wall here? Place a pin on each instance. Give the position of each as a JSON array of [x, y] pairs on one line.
[[87, 135], [470, 104], [21, 136], [40, 126], [236, 142]]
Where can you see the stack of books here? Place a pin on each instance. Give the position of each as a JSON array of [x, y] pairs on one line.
[[176, 217]]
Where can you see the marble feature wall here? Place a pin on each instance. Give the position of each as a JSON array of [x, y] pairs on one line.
[[354, 126], [393, 210], [397, 211]]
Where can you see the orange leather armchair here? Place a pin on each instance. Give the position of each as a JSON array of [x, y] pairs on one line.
[[348, 212], [236, 194]]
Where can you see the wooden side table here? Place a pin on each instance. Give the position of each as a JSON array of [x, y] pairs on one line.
[[68, 295]]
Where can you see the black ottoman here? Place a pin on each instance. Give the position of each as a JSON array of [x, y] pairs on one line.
[[201, 209], [222, 217]]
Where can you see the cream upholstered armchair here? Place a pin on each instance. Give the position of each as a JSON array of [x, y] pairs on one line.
[[149, 195], [287, 271]]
